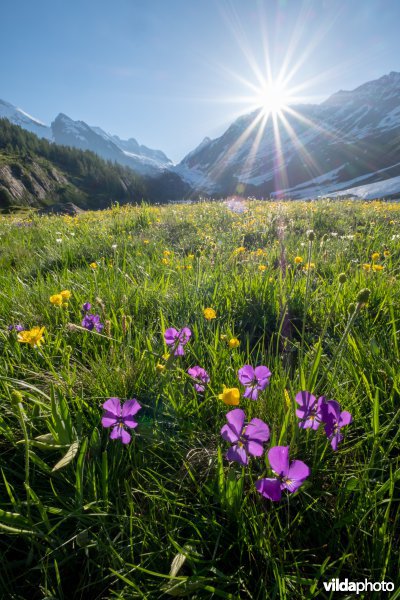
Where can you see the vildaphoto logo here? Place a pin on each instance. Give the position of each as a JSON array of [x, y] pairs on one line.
[[336, 585]]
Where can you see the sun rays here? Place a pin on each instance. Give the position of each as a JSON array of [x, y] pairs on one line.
[[278, 127]]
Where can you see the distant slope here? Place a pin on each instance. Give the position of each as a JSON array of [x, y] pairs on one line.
[[351, 138], [34, 172]]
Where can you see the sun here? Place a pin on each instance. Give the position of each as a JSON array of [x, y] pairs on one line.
[[272, 98]]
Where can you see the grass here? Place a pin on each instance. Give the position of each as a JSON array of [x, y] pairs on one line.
[[82, 516]]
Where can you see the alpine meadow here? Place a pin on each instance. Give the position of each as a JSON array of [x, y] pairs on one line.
[[200, 400]]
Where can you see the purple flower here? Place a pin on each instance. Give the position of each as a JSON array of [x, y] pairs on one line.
[[177, 339], [16, 328], [91, 322], [334, 420], [245, 439], [119, 418], [289, 476], [310, 411], [201, 376], [255, 380], [86, 307]]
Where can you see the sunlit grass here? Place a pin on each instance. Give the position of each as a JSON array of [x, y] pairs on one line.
[[167, 514]]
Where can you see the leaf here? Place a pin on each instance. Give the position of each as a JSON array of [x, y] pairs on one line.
[[68, 457], [177, 564]]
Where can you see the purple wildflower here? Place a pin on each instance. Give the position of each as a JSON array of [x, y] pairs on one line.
[[289, 476], [201, 377], [255, 380], [119, 418], [177, 339], [86, 307], [310, 411], [334, 420], [245, 439], [91, 322], [16, 328]]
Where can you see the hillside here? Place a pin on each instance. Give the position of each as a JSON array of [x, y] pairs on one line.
[[37, 173]]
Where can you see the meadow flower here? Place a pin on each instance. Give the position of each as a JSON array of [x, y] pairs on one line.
[[209, 313], [86, 307], [254, 380], [16, 328], [66, 295], [290, 476], [366, 267], [177, 339], [93, 265], [119, 418], [56, 299], [375, 256], [377, 267], [262, 267], [298, 260], [33, 336], [234, 343], [201, 376], [310, 411], [334, 420], [230, 396], [247, 440], [91, 321]]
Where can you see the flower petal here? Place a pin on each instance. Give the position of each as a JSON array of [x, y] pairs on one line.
[[235, 420], [108, 420], [345, 418], [184, 335], [297, 474], [269, 488], [257, 430], [278, 457], [113, 406], [246, 375], [116, 432], [262, 374], [252, 393], [130, 408], [170, 336], [255, 448], [125, 436], [238, 454]]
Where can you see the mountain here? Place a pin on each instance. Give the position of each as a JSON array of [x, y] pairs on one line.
[[352, 138], [38, 173], [78, 134], [19, 117]]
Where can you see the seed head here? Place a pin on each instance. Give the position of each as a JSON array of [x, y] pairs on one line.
[[342, 278], [363, 296]]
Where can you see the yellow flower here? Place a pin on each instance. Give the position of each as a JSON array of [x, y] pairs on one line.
[[366, 267], [239, 250], [209, 313], [34, 336], [167, 252], [66, 294], [146, 242], [56, 299], [233, 343], [262, 267], [230, 396], [375, 256], [190, 256], [166, 356], [309, 266], [386, 253], [298, 260], [93, 265], [377, 267], [165, 261], [223, 337], [160, 368]]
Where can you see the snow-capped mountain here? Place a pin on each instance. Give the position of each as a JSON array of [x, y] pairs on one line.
[[78, 134], [352, 138], [21, 118]]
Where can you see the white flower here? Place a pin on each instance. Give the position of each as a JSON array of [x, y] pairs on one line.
[[59, 240]]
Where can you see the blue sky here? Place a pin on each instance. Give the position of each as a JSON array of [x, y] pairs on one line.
[[170, 72]]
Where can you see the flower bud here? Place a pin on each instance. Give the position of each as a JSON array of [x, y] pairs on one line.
[[363, 296], [342, 278], [310, 235]]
